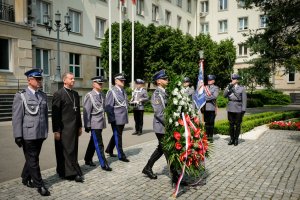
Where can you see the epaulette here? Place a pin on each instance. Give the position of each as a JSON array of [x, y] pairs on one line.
[[22, 91], [41, 91]]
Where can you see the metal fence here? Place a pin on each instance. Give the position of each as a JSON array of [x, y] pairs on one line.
[[7, 12]]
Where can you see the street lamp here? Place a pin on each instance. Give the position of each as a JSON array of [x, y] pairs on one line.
[[201, 54], [58, 28]]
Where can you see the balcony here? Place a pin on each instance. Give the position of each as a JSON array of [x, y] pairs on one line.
[[7, 12]]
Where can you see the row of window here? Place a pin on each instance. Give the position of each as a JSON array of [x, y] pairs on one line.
[[242, 25], [222, 5]]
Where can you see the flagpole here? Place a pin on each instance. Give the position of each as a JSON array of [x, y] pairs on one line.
[[132, 43], [109, 46], [120, 39]]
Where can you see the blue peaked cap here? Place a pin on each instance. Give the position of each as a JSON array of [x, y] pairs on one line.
[[211, 77], [160, 75], [235, 76], [98, 79], [34, 73], [139, 81]]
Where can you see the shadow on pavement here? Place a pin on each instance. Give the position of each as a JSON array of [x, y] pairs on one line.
[[294, 137], [128, 153]]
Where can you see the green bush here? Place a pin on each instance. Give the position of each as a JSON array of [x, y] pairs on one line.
[[272, 97], [253, 103], [222, 101], [250, 122]]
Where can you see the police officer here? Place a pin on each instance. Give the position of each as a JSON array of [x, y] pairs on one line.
[[139, 97], [116, 107], [211, 94], [187, 85], [94, 121], [158, 101], [236, 107], [30, 128]]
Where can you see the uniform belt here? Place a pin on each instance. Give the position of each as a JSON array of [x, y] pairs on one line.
[[236, 100], [210, 101]]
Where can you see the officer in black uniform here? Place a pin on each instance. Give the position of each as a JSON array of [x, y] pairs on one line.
[[30, 128]]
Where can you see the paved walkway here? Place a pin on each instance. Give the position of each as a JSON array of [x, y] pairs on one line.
[[265, 168]]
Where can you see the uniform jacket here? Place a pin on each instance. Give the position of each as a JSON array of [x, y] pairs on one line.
[[116, 106], [211, 101], [237, 99], [94, 117], [159, 101], [189, 91], [27, 125], [141, 96]]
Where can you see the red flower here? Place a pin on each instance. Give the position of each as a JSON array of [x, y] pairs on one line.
[[191, 144], [177, 135], [197, 133], [189, 162], [180, 121], [178, 146], [182, 156], [196, 120]]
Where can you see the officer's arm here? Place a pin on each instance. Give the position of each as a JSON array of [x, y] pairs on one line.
[[46, 113], [144, 96], [226, 92], [213, 96], [244, 99], [17, 116], [109, 106], [87, 110], [56, 113], [157, 108]]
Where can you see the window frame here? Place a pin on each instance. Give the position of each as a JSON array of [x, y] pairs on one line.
[[179, 20], [41, 55], [155, 11], [189, 6], [265, 21], [98, 21], [222, 2], [168, 18], [222, 21], [74, 66], [140, 7], [188, 27], [204, 4], [40, 11], [205, 24], [99, 68], [179, 3], [243, 27], [242, 50], [9, 55], [72, 21], [289, 76]]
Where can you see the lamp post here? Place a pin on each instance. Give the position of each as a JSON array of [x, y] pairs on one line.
[[201, 54], [58, 28]]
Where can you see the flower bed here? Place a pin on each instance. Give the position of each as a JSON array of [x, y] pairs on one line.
[[286, 125]]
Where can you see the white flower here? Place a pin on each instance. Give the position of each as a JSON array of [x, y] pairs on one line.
[[182, 91], [170, 120], [175, 101], [179, 96], [176, 114], [181, 103], [176, 123], [179, 108], [179, 83]]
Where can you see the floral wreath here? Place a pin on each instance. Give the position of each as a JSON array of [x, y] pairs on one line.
[[185, 141]]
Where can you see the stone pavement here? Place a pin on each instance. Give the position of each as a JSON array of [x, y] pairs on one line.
[[265, 168]]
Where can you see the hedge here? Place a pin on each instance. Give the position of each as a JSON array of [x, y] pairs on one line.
[[250, 122]]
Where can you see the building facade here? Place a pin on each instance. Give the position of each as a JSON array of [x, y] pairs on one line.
[[28, 44]]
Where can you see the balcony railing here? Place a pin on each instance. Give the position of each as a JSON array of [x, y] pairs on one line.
[[7, 12]]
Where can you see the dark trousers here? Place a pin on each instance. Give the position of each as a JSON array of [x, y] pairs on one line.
[[139, 120], [209, 119], [116, 140], [158, 152], [235, 120], [31, 170], [96, 144]]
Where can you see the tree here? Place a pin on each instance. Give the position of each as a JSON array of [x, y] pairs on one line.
[[278, 43]]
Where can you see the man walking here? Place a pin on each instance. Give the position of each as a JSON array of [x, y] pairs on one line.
[[94, 121], [67, 127], [211, 95], [116, 107], [30, 128], [236, 107], [139, 97]]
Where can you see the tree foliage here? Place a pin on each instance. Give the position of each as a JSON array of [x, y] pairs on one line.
[[162, 47], [278, 43]]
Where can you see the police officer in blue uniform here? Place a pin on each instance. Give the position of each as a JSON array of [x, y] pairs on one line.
[[236, 107], [94, 121], [30, 128], [116, 107], [211, 95], [158, 101], [139, 97]]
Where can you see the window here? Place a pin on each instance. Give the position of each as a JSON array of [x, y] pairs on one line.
[[75, 64], [263, 21], [4, 54], [179, 3], [204, 28], [243, 23], [42, 8], [291, 75], [99, 68], [75, 19], [188, 30], [100, 27], [155, 13], [223, 26], [204, 6], [178, 22], [241, 3], [243, 51], [223, 4], [168, 18], [189, 6], [42, 60], [140, 7]]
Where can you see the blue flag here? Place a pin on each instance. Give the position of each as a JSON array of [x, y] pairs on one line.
[[199, 96]]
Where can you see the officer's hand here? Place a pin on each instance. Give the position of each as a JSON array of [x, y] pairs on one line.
[[80, 131], [87, 129], [56, 135], [19, 141], [230, 86]]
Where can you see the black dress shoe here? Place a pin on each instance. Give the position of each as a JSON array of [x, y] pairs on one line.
[[236, 142], [149, 173], [43, 191], [106, 168], [28, 183], [230, 142], [135, 133], [79, 179], [124, 159], [140, 133], [90, 163]]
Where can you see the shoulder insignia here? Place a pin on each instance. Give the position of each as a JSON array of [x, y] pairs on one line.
[[22, 91]]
